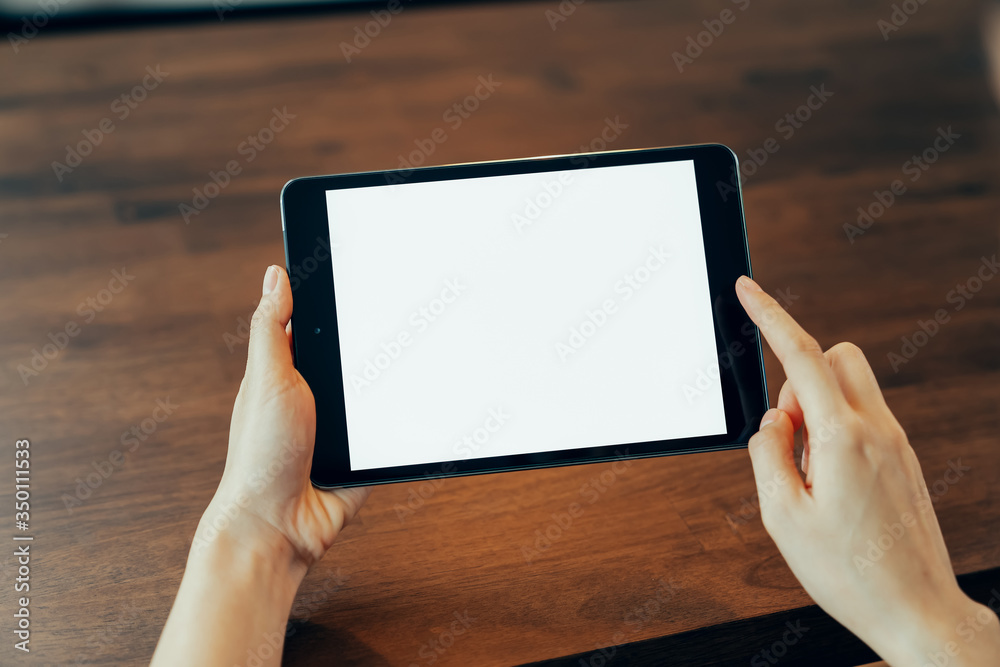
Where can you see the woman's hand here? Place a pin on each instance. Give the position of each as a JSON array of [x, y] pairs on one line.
[[859, 531], [266, 524], [265, 493]]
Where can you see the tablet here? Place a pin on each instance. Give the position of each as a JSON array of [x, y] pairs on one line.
[[499, 316]]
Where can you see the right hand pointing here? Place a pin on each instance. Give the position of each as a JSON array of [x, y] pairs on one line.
[[859, 532]]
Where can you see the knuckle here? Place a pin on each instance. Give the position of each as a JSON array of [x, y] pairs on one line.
[[872, 437], [848, 351], [892, 433], [845, 348], [855, 428], [807, 344]]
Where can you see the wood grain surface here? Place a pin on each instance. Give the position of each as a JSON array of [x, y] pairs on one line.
[[669, 545]]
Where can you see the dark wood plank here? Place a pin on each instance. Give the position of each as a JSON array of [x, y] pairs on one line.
[[806, 636], [106, 572]]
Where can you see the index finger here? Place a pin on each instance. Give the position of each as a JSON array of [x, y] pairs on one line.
[[816, 387]]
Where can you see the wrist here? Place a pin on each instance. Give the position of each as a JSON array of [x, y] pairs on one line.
[[240, 582], [953, 630], [228, 530]]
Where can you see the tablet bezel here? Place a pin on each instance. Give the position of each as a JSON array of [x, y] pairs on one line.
[[316, 340]]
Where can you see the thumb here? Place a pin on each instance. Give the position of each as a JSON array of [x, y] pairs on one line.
[[268, 339], [772, 452]]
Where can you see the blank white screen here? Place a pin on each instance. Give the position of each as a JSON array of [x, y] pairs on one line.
[[457, 303]]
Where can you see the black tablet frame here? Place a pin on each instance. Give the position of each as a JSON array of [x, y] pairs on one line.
[[316, 339]]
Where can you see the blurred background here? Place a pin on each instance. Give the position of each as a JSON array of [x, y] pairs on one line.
[[130, 265], [107, 12]]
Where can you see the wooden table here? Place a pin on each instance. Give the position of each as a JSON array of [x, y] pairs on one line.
[[671, 562]]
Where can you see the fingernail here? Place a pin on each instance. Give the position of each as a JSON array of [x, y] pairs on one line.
[[769, 416], [749, 284], [270, 279]]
